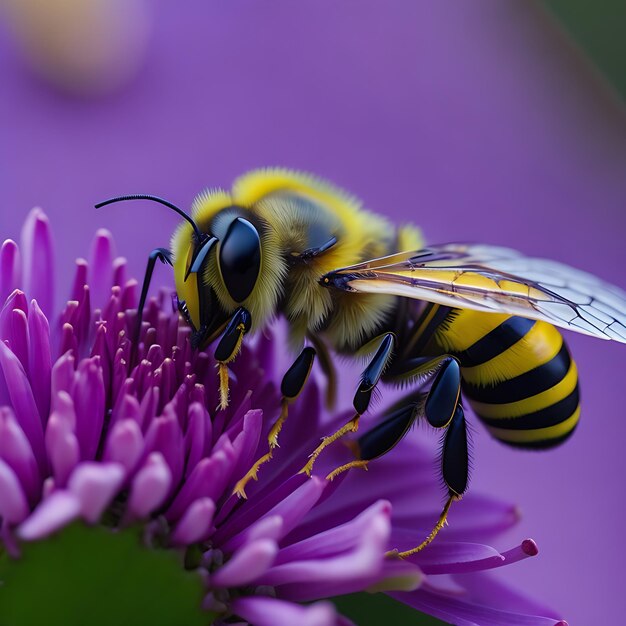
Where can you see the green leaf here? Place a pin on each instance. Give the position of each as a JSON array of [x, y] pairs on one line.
[[96, 577], [373, 609], [598, 27]]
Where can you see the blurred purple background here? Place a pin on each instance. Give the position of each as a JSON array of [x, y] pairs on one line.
[[478, 121]]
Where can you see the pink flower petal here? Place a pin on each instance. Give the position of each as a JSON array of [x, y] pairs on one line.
[[336, 575], [337, 540], [263, 611], [246, 565], [489, 590], [18, 339], [89, 403], [23, 402], [62, 446], [446, 557], [124, 444], [16, 451], [465, 613], [119, 274], [13, 504], [165, 436], [195, 524], [207, 480], [101, 267], [80, 279], [150, 486], [10, 268], [38, 260], [196, 436], [295, 506], [247, 442], [40, 358], [95, 485], [56, 511], [266, 528], [62, 375]]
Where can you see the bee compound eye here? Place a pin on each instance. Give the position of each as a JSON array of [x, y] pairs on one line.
[[240, 258]]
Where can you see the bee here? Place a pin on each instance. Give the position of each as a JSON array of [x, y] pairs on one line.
[[450, 322]]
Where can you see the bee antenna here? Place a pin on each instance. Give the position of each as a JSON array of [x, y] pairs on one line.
[[139, 196]]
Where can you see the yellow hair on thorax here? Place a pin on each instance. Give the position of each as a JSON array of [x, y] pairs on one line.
[[361, 235], [364, 234], [271, 197]]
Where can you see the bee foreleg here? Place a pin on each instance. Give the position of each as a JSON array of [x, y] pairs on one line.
[[228, 348], [292, 384], [369, 379], [165, 256]]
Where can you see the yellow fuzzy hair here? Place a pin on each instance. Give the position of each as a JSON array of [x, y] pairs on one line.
[[268, 194]]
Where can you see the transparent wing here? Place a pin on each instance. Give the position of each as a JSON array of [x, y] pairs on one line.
[[495, 279]]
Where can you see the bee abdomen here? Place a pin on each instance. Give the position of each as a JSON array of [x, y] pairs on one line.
[[541, 429], [523, 384]]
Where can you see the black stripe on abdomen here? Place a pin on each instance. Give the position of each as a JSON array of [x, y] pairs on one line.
[[541, 444], [495, 342], [529, 384], [550, 416]]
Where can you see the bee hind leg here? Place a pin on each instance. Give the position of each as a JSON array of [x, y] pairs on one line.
[[292, 384], [440, 406], [369, 379], [455, 474]]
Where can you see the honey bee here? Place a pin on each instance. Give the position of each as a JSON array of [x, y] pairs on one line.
[[450, 321]]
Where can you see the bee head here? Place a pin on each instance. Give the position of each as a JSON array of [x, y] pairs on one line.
[[222, 267], [224, 256], [235, 263]]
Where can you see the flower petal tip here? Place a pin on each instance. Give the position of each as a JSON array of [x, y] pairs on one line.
[[529, 547]]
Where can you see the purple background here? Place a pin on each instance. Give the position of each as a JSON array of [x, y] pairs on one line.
[[479, 121]]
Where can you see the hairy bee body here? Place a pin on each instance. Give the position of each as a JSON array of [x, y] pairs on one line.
[[450, 320], [517, 373], [296, 215]]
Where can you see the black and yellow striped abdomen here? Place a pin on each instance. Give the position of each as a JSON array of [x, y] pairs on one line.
[[517, 374]]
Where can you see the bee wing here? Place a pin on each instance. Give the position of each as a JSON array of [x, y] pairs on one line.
[[495, 279]]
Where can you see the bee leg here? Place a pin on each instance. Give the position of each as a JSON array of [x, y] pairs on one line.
[[328, 368], [228, 348], [445, 390], [455, 473], [358, 463], [369, 379], [440, 406], [292, 384], [165, 256], [386, 435]]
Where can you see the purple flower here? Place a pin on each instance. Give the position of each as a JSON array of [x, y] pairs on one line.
[[86, 435]]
